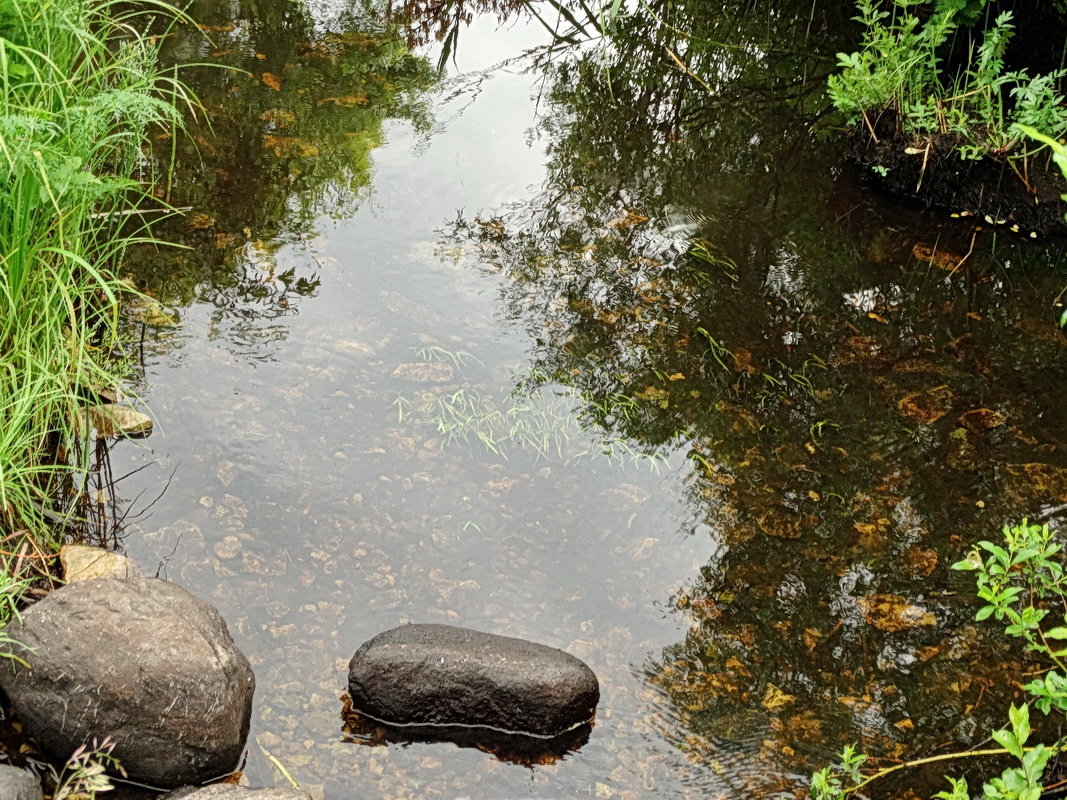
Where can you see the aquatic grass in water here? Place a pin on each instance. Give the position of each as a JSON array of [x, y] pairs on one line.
[[79, 92], [531, 419]]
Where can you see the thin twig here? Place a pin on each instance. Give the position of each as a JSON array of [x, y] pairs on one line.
[[135, 211]]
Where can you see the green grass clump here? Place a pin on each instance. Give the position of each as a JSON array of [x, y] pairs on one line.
[[80, 93], [900, 68]]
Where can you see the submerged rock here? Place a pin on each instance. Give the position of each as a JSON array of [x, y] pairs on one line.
[[429, 372], [114, 419], [83, 563], [978, 420], [141, 661], [440, 675], [927, 406], [18, 784], [227, 791]]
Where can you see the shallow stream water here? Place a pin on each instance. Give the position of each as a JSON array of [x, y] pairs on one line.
[[567, 343]]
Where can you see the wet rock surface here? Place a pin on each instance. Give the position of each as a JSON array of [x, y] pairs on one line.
[[141, 661], [83, 563], [440, 675], [117, 419], [231, 792], [18, 784]]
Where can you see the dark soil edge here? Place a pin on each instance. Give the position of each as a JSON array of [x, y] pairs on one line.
[[987, 190]]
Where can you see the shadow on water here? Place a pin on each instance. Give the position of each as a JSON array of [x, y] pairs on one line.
[[846, 395], [526, 751]]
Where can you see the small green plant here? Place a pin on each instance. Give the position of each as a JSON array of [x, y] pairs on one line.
[[1015, 783], [1056, 147], [832, 783], [536, 422], [899, 71], [1020, 581], [84, 776], [12, 587], [458, 358]]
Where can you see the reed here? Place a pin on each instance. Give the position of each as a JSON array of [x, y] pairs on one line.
[[80, 94]]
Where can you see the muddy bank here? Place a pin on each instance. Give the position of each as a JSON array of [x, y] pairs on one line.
[[1025, 200]]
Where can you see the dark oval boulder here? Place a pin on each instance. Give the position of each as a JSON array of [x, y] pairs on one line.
[[440, 675], [18, 784], [138, 660]]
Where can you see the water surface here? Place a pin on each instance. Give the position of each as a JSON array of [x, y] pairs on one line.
[[567, 343]]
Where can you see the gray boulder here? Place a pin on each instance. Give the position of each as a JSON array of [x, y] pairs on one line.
[[227, 791], [440, 675], [141, 661], [18, 784]]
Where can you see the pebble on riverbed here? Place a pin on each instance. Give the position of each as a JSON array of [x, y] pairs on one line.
[[228, 791]]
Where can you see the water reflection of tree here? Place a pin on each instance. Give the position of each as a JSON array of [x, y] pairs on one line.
[[291, 115], [442, 21], [709, 266]]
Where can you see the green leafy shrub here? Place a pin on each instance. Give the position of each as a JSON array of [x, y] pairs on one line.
[[900, 70], [1023, 585]]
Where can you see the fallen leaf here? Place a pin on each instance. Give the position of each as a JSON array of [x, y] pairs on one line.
[[289, 146], [278, 116], [272, 80], [779, 523], [942, 259], [775, 699], [345, 101], [981, 419], [628, 219], [893, 613], [743, 362], [198, 222], [660, 397], [1043, 478], [928, 405], [924, 562]]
